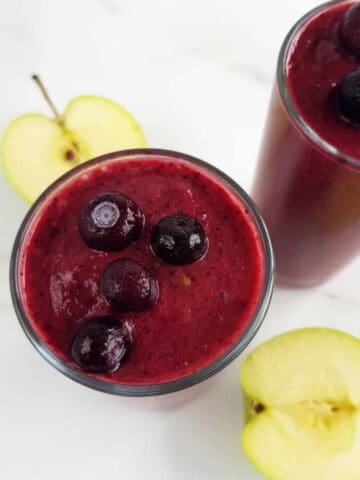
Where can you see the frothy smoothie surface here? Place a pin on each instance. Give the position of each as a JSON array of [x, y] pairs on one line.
[[202, 307], [317, 64]]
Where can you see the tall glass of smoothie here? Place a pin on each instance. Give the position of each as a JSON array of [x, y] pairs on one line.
[[307, 184], [142, 272]]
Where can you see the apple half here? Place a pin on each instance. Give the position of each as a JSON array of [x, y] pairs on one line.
[[302, 398], [36, 149]]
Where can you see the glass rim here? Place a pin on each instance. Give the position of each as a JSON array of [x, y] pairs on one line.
[[144, 390], [281, 76]]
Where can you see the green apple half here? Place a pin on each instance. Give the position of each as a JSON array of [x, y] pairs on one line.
[[302, 397], [37, 149]]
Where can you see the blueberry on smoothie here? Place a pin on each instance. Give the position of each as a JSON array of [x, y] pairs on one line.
[[128, 286], [349, 30], [179, 239], [110, 222], [348, 97], [100, 345]]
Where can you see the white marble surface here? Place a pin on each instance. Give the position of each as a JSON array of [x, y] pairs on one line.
[[197, 74]]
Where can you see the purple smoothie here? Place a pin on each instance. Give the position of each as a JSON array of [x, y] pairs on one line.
[[308, 179], [202, 307]]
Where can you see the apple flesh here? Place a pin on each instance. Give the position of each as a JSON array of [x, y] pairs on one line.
[[302, 402], [36, 149]]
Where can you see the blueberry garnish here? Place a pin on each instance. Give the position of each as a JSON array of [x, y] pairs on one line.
[[349, 30], [110, 222], [100, 345], [179, 239], [128, 286], [348, 97]]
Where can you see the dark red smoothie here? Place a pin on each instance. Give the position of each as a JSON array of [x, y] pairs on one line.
[[308, 179], [203, 307]]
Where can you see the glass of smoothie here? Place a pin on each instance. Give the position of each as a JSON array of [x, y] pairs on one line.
[[307, 185], [142, 272]]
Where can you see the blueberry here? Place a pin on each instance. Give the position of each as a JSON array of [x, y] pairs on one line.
[[128, 286], [348, 97], [349, 30], [179, 239], [100, 345], [110, 222]]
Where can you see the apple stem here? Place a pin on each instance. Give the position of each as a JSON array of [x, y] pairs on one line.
[[48, 100], [71, 154]]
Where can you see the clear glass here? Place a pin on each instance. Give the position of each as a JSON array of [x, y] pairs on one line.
[[159, 388], [307, 191]]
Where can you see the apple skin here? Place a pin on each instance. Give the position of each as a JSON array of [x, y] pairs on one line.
[[36, 149], [302, 406]]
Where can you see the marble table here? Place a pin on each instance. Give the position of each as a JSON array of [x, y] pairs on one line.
[[197, 74]]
